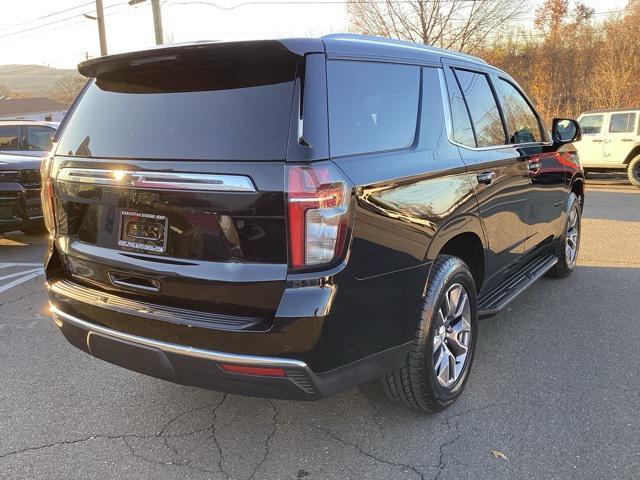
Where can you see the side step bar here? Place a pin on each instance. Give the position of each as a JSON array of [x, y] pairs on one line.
[[492, 302]]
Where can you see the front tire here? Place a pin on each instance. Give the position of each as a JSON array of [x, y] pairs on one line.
[[633, 171], [568, 246], [438, 363]]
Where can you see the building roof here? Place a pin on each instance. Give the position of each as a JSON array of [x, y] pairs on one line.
[[21, 106], [12, 122]]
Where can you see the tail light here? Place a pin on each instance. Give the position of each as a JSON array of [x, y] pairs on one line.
[[46, 195], [318, 214]]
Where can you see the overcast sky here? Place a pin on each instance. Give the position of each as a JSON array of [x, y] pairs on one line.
[[49, 41]]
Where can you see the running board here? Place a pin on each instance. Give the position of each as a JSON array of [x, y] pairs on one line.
[[492, 302]]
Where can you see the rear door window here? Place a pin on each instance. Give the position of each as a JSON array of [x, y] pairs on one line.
[[592, 124], [522, 122], [462, 129], [39, 138], [373, 107], [10, 138], [622, 122], [234, 105], [483, 108]]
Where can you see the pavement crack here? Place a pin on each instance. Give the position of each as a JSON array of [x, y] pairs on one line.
[[185, 464], [182, 414], [441, 463], [215, 438], [60, 443], [21, 297], [267, 443], [399, 466]]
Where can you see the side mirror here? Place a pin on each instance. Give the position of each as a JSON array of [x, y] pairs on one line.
[[565, 130]]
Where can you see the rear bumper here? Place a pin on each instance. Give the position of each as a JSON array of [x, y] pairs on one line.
[[202, 368]]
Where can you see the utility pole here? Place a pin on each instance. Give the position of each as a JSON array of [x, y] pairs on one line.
[[101, 30], [157, 21], [157, 18]]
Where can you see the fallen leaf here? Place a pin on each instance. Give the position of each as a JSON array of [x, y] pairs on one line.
[[498, 454]]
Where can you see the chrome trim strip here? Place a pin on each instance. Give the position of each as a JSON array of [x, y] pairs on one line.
[[157, 180], [219, 357]]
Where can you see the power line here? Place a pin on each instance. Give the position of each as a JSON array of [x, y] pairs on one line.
[[60, 20], [52, 14], [220, 7], [253, 3]]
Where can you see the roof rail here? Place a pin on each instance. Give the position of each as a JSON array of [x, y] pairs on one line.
[[401, 43]]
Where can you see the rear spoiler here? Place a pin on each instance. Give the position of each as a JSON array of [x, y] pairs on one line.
[[198, 51]]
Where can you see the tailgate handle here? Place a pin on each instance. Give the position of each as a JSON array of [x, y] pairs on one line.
[[134, 282]]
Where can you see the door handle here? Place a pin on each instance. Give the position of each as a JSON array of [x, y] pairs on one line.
[[486, 177], [597, 140], [627, 139], [534, 167]]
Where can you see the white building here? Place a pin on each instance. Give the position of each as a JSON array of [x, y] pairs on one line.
[[39, 108]]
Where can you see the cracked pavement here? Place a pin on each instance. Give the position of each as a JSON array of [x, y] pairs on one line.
[[555, 387]]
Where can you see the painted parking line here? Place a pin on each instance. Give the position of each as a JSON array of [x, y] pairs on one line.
[[9, 265], [21, 276]]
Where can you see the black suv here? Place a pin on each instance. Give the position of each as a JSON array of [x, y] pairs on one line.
[[20, 207], [292, 218]]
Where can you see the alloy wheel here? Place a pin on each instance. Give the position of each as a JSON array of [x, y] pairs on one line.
[[572, 238], [452, 335]]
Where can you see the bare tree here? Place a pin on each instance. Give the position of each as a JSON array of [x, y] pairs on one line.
[[66, 89], [462, 25]]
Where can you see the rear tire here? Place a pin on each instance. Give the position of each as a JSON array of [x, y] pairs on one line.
[[633, 171], [568, 247], [440, 358]]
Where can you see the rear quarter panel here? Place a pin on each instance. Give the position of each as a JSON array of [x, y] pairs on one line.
[[405, 200]]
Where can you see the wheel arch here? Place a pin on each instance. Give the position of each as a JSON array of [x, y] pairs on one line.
[[462, 237], [632, 154], [577, 186]]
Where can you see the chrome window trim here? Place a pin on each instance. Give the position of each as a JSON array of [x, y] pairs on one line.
[[219, 357], [157, 180], [448, 120]]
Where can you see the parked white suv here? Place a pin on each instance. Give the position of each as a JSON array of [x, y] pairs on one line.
[[611, 141]]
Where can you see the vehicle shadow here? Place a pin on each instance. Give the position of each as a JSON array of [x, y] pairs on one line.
[[512, 404]]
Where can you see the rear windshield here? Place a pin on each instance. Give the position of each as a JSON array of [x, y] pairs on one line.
[[222, 109]]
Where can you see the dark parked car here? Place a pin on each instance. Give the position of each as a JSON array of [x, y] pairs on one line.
[[292, 218], [20, 207], [26, 137]]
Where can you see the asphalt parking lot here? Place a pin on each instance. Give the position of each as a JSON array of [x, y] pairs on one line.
[[554, 394]]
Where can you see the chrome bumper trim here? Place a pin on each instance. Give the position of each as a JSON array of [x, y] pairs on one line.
[[219, 357]]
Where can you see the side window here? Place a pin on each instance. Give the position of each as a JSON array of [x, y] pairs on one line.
[[10, 138], [483, 108], [522, 122], [462, 129], [592, 124], [622, 122], [39, 138], [373, 107]]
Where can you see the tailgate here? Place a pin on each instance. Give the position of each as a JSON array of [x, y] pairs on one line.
[[189, 238]]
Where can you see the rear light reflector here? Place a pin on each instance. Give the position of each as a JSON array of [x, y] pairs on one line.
[[317, 208], [259, 371]]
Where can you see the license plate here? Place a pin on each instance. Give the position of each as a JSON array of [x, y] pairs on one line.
[[143, 231]]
